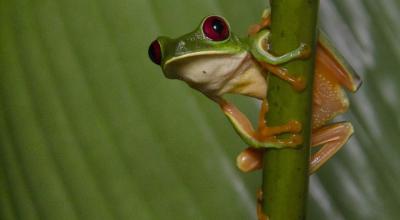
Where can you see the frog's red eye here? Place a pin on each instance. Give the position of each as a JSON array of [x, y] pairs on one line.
[[215, 28], [155, 52]]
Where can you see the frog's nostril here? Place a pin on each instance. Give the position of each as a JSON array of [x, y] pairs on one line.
[[155, 52]]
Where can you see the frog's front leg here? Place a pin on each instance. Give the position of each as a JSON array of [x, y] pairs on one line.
[[260, 47], [264, 137]]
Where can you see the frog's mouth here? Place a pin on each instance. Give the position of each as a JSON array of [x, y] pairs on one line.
[[217, 74], [204, 68], [193, 61]]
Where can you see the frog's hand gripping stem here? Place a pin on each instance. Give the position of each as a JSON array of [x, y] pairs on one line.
[[260, 43], [264, 137], [260, 50], [270, 62]]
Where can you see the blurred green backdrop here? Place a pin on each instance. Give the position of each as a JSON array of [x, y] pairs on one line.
[[90, 129]]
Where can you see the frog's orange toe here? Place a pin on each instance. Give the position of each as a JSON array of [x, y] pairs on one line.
[[295, 126], [254, 29]]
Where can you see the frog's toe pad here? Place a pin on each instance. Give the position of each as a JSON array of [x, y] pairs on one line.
[[293, 141], [305, 51], [295, 125]]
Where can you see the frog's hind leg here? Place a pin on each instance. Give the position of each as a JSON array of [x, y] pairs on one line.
[[329, 100], [329, 61], [264, 132], [264, 137], [251, 158], [332, 138]]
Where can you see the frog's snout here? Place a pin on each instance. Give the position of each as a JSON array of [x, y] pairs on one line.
[[155, 53]]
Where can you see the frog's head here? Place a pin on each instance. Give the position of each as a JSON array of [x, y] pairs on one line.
[[205, 56]]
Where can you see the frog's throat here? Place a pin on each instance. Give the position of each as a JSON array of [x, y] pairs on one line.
[[217, 74], [249, 80]]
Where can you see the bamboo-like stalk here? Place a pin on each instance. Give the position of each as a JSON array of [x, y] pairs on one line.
[[285, 173]]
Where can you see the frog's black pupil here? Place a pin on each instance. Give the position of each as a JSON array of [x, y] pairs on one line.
[[218, 26]]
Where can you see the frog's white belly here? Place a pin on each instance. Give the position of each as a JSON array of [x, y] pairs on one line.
[[217, 74]]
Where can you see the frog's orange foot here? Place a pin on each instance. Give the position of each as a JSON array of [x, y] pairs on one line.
[[293, 141], [297, 82], [292, 126], [251, 158], [270, 134]]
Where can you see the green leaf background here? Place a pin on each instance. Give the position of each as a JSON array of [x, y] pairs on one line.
[[90, 128]]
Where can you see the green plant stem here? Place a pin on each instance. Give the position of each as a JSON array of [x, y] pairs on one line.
[[285, 173]]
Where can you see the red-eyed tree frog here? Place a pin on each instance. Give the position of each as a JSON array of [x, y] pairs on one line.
[[214, 61]]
